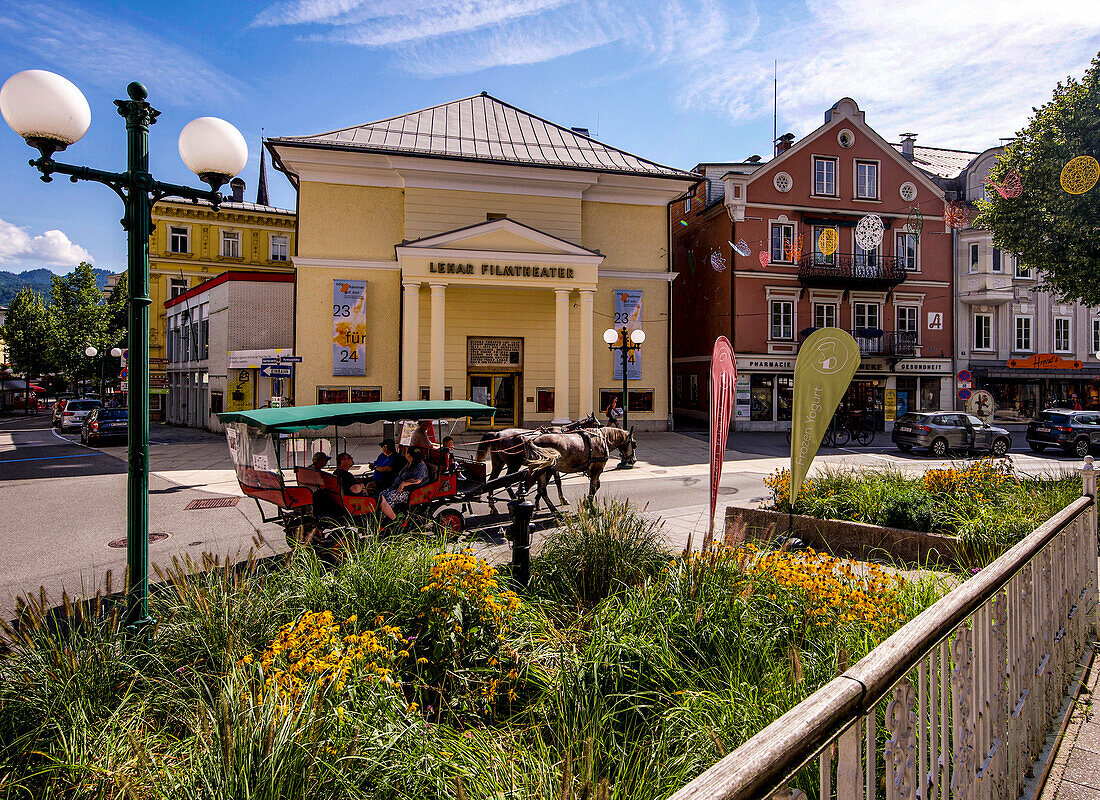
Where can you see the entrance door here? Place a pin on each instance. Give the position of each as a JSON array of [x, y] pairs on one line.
[[500, 391]]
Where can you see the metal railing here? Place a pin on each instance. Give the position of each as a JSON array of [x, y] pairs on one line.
[[890, 343], [970, 686], [851, 269]]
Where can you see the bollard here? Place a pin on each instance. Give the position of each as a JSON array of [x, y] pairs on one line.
[[520, 512]]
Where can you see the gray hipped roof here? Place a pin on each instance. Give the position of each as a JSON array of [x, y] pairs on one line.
[[483, 128]]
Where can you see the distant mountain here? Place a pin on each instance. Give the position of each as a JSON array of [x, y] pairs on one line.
[[37, 279]]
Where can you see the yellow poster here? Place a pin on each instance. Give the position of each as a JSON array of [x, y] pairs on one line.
[[240, 390], [826, 363], [890, 413]]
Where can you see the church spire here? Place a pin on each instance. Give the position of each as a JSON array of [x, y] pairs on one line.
[[261, 187]]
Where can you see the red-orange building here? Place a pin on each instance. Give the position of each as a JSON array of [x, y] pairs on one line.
[[801, 268]]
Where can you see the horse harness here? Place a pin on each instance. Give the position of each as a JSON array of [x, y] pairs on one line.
[[589, 458]]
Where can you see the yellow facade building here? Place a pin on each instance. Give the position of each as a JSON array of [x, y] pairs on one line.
[[192, 243], [474, 250]]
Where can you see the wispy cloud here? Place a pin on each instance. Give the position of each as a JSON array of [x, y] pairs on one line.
[[960, 72], [109, 53], [49, 249]]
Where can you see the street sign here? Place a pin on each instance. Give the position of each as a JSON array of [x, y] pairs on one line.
[[269, 360], [158, 380], [268, 371], [290, 359], [122, 386], [966, 384], [964, 376], [964, 394], [160, 362]]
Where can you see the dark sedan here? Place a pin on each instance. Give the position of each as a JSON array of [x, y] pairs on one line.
[[1076, 432], [942, 432], [104, 423]]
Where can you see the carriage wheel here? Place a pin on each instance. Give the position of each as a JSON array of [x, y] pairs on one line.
[[451, 521]]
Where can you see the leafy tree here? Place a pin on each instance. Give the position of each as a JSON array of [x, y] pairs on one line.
[[79, 318], [27, 334], [118, 311], [1054, 231]]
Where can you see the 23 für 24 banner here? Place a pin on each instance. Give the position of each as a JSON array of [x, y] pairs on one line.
[[349, 328], [628, 312]]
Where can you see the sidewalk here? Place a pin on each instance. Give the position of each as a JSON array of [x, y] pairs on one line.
[[1075, 770]]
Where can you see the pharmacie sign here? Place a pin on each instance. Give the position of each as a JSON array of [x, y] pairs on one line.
[[500, 270]]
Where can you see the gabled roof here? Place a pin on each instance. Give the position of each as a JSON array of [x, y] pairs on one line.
[[483, 128], [523, 232], [940, 161]]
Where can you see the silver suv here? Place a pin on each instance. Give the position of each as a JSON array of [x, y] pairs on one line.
[[75, 412], [943, 431]]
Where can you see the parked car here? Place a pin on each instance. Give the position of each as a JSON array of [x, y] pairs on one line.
[[940, 432], [104, 423], [1076, 432], [75, 411]]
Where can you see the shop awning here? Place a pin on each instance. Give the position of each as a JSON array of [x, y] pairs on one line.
[[1083, 374], [296, 418]]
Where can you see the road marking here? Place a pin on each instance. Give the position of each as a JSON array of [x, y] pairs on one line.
[[70, 441], [42, 458]]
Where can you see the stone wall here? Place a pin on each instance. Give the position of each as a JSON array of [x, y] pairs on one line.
[[851, 539]]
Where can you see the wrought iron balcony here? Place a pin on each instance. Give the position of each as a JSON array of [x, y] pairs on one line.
[[854, 270], [881, 344]]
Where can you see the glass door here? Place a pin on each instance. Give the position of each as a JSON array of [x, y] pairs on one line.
[[499, 391]]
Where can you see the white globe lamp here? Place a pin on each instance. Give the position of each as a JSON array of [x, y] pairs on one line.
[[116, 352], [45, 109], [91, 352], [611, 336], [213, 149], [637, 336]]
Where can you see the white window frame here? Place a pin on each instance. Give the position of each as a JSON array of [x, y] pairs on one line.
[[833, 312], [997, 260], [863, 305], [282, 239], [974, 262], [1068, 348], [915, 327], [186, 232], [687, 204], [988, 319], [899, 250], [1023, 271], [1027, 346], [813, 165], [771, 240], [790, 304], [226, 238], [177, 286], [859, 195]]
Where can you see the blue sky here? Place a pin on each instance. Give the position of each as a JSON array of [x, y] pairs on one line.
[[679, 81]]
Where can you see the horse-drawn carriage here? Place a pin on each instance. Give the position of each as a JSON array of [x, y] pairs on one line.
[[307, 501]]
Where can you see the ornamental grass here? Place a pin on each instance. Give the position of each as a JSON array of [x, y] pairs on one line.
[[985, 502], [411, 671]]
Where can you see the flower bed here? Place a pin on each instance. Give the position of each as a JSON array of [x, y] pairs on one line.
[[985, 503], [411, 672]]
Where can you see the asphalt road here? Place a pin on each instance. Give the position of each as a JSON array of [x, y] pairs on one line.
[[61, 504]]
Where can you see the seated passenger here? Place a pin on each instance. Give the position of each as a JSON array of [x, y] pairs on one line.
[[448, 452], [320, 460], [414, 473], [420, 438], [385, 466], [349, 484]]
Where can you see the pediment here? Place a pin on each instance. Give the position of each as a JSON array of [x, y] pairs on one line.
[[499, 235]]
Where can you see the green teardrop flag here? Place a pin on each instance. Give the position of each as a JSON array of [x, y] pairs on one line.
[[827, 360]]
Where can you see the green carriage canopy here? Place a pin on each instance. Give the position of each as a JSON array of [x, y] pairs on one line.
[[296, 418]]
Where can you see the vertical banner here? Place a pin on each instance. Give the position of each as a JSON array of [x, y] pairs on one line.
[[826, 362], [723, 377], [349, 328], [628, 312]]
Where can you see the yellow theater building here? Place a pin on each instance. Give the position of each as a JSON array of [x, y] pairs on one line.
[[475, 250]]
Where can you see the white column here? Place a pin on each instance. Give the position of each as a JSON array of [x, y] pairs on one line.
[[585, 382], [438, 342], [410, 342], [561, 355]]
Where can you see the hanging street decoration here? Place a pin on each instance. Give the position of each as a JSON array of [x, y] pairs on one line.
[[1080, 174], [765, 258], [915, 222], [869, 232], [684, 223], [1009, 188], [741, 248], [828, 241], [956, 215], [717, 261], [792, 249]]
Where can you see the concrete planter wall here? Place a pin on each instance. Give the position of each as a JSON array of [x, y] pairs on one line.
[[852, 539]]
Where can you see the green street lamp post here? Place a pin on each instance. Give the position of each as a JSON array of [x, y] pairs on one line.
[[51, 113], [626, 342]]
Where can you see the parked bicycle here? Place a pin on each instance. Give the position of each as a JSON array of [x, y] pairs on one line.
[[836, 435]]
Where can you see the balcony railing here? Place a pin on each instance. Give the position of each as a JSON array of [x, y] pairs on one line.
[[882, 344], [852, 269]]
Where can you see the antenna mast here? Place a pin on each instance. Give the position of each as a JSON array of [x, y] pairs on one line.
[[775, 107]]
